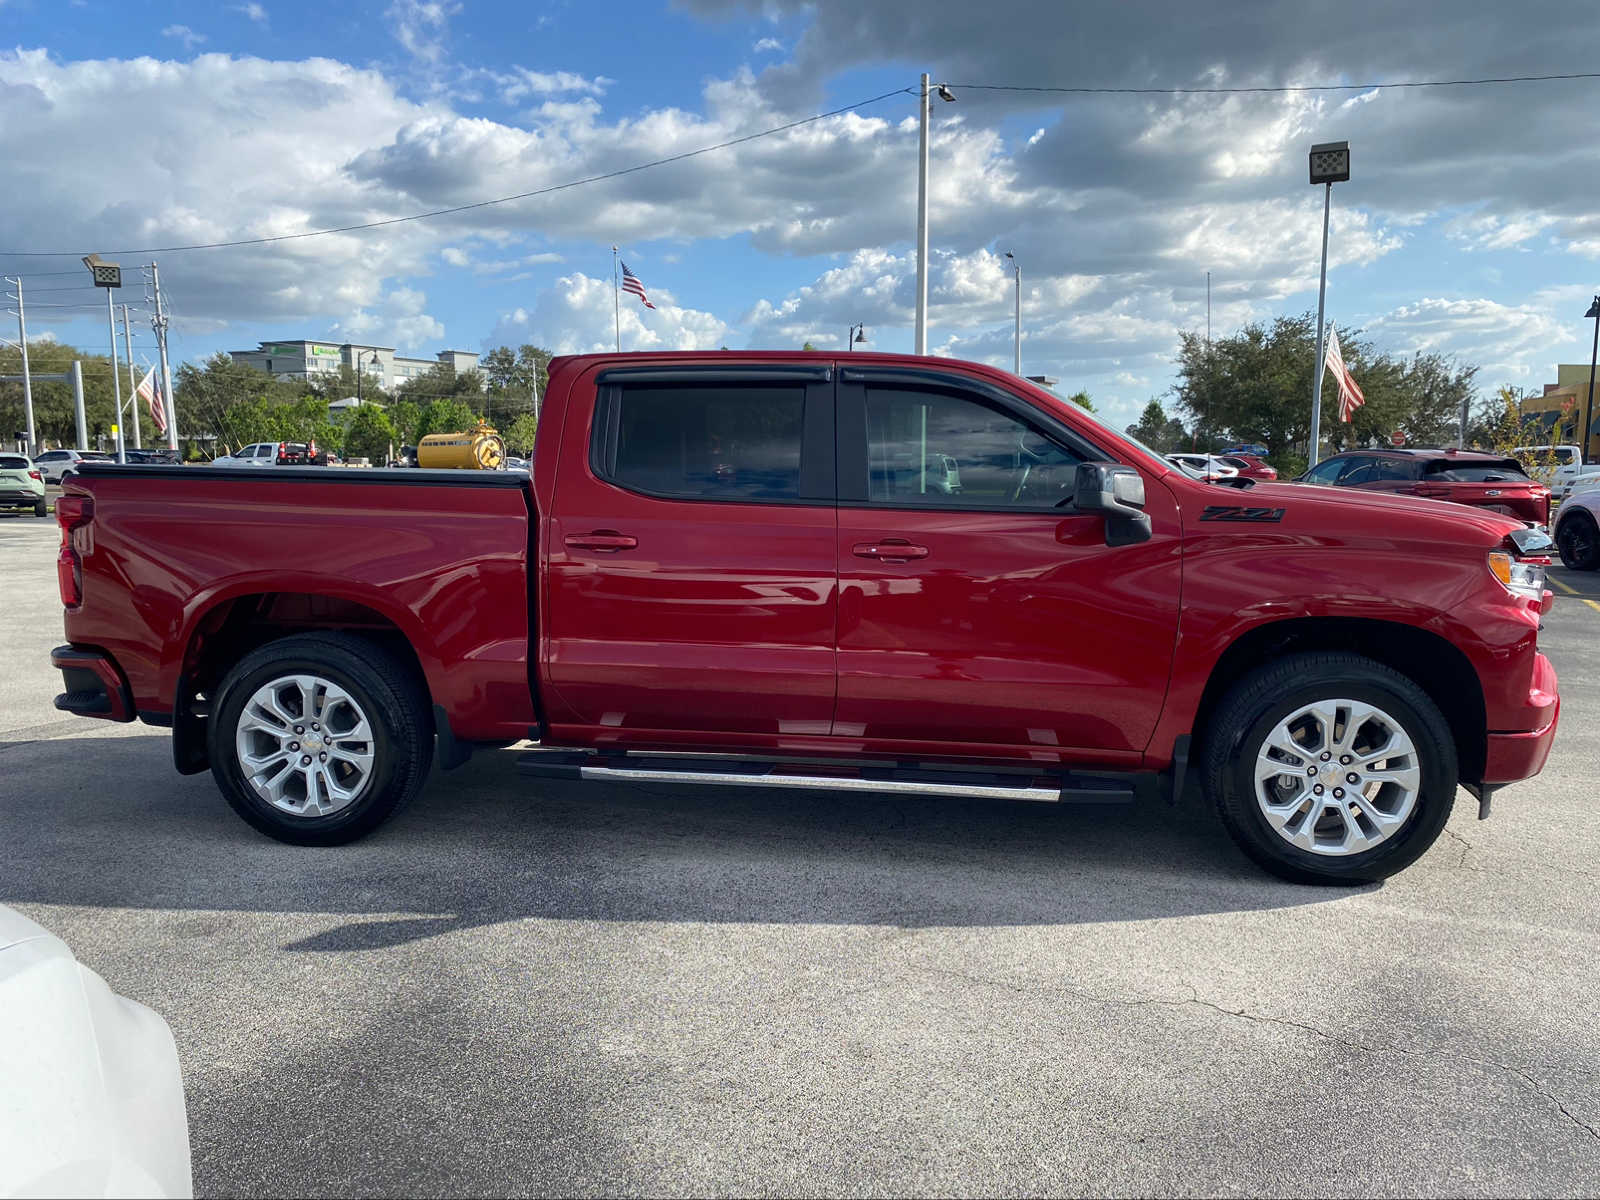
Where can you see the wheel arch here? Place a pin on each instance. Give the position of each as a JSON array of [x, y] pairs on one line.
[[233, 625], [1432, 662]]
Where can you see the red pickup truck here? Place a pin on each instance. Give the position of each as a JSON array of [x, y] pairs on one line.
[[880, 573]]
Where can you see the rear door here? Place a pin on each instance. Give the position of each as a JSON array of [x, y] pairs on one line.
[[976, 607], [691, 550]]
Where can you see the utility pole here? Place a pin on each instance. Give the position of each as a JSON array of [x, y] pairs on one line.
[[616, 299], [920, 341], [133, 383], [116, 377], [1322, 296], [159, 324], [77, 404], [27, 375]]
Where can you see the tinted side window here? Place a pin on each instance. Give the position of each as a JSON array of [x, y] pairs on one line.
[[12, 462], [1478, 472], [1326, 471], [1395, 468], [928, 447], [709, 441]]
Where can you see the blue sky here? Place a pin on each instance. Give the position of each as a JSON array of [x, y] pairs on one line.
[[1464, 229]]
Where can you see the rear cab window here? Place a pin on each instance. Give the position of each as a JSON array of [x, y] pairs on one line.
[[759, 438]]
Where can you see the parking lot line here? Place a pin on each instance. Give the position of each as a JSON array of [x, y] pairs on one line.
[[1572, 591]]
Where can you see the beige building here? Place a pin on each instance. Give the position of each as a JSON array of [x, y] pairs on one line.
[[295, 360], [1561, 407]]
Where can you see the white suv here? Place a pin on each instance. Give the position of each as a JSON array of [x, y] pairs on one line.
[[53, 464], [1577, 531]]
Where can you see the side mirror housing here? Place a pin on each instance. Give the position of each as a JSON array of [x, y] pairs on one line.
[[1116, 492]]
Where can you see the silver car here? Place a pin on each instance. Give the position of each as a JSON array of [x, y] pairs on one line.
[[55, 464]]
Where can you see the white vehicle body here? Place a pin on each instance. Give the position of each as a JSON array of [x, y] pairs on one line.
[[1569, 474], [53, 464], [91, 1099], [1577, 531], [260, 454], [1203, 466]]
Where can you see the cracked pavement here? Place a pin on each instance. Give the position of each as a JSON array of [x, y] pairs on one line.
[[522, 988]]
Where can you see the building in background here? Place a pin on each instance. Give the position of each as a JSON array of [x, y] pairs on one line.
[[292, 360], [1561, 407]]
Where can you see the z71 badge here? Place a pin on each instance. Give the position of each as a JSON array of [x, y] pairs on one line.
[[1238, 512]]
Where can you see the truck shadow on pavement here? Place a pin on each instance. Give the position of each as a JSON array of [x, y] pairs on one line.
[[105, 822]]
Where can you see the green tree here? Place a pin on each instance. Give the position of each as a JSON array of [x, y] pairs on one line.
[[808, 346], [1249, 387], [404, 417], [519, 436], [441, 381], [54, 416], [449, 415], [1160, 432], [516, 377], [368, 434], [1082, 400], [236, 403]]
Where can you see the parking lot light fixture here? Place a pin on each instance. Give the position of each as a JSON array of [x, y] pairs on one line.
[[1330, 164], [856, 337]]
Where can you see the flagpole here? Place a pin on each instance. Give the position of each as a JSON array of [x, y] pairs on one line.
[[160, 323], [616, 299], [1322, 295], [127, 345]]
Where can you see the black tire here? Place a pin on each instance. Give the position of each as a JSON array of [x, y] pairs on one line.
[[40, 510], [1270, 694], [396, 707], [1578, 541]]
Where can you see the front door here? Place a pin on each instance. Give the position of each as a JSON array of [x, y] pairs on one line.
[[975, 609], [692, 582]]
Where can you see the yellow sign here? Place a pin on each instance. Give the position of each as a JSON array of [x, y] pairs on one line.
[[113, 431]]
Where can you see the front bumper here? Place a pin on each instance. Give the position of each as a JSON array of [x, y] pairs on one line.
[[1521, 755]]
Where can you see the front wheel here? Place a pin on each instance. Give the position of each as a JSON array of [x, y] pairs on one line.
[[1578, 542], [1330, 768], [319, 738]]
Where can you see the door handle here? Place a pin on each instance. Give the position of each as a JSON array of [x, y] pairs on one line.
[[890, 550], [606, 541]]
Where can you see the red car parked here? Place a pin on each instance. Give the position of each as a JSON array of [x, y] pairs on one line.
[[1249, 466], [877, 573], [1484, 481]]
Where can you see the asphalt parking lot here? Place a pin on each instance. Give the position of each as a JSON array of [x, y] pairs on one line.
[[523, 987]]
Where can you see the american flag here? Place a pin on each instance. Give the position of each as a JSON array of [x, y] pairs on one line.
[[1350, 397], [631, 285], [150, 393]]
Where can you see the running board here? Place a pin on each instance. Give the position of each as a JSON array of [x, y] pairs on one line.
[[823, 775]]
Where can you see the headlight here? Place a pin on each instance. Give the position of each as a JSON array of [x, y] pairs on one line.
[[1520, 576]]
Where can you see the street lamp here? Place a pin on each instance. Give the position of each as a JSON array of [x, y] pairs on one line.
[[921, 339], [108, 275], [1016, 364], [1330, 164], [1588, 408], [360, 374], [856, 337]]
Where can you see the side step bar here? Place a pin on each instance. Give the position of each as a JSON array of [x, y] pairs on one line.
[[825, 775]]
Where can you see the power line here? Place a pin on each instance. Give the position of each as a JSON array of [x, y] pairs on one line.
[[460, 208], [1280, 88]]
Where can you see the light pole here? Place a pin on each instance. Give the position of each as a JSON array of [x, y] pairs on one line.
[[109, 276], [1588, 408], [1330, 164], [856, 336], [1016, 358], [920, 341], [360, 374]]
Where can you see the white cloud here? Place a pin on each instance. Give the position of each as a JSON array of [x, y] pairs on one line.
[[396, 319], [455, 256], [253, 11], [576, 316], [421, 25], [1505, 340], [768, 45], [184, 34]]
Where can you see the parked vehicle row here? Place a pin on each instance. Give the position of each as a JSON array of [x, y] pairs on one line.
[[1485, 481], [885, 573]]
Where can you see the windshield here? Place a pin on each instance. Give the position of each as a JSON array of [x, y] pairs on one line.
[[1507, 471]]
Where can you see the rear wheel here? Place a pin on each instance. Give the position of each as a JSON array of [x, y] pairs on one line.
[[1331, 768], [39, 509], [317, 739], [1578, 541]]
